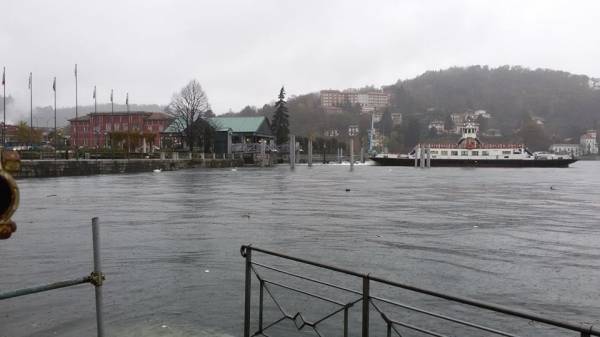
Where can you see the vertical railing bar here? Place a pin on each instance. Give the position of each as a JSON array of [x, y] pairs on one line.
[[97, 274], [365, 306], [248, 288], [260, 306], [346, 322]]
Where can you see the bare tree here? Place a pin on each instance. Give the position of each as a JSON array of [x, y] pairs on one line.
[[188, 107]]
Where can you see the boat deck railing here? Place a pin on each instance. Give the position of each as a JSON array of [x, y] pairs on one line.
[[369, 304]]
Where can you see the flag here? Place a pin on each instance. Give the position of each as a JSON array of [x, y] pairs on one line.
[[75, 69], [94, 97], [54, 85], [111, 95], [3, 76], [30, 75], [127, 99]]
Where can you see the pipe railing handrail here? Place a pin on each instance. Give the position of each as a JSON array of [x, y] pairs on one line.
[[47, 287], [583, 329], [384, 300]]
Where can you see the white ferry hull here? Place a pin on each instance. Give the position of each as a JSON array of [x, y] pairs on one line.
[[383, 161]]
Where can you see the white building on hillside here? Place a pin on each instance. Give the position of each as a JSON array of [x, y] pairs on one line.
[[589, 143], [572, 149], [396, 118], [438, 125]]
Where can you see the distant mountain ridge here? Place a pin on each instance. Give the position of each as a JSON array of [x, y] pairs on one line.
[[567, 103]]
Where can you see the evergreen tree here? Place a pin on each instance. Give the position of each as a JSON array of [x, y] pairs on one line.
[[281, 125]]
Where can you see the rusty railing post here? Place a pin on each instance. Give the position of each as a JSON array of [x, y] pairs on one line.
[[365, 306], [247, 253], [260, 306]]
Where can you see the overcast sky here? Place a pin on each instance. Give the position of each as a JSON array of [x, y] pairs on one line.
[[243, 51]]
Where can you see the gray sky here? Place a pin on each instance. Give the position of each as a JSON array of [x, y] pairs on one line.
[[243, 51]]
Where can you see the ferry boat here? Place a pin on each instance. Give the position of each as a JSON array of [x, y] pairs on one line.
[[471, 152]]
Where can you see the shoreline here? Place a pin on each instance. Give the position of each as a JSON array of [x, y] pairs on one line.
[[87, 167]]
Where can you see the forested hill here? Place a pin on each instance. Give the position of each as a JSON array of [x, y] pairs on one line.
[[566, 103]]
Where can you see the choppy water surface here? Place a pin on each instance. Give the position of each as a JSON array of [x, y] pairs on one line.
[[171, 241]]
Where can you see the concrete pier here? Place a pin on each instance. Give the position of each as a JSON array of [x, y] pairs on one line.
[[84, 167]]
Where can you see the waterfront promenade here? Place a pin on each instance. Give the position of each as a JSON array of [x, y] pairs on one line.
[[82, 167]]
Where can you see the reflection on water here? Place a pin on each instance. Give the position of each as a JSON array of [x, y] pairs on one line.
[[500, 235]]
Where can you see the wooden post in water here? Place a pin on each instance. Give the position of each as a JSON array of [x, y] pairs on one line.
[[310, 149], [422, 155], [351, 154], [341, 154], [292, 151], [428, 157], [416, 157], [362, 154], [263, 153]]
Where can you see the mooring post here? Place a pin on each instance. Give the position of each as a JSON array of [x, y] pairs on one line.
[[365, 306], [422, 153], [362, 154], [248, 289], [310, 149], [97, 276], [428, 157], [351, 154], [263, 152], [416, 156], [292, 147]]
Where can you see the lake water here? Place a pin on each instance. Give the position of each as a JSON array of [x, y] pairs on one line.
[[519, 237]]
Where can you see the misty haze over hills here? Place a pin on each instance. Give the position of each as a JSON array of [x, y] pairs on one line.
[[568, 103]]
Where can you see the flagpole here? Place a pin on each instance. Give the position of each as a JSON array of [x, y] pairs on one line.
[[55, 129], [31, 110], [112, 124], [95, 135], [76, 114], [128, 126]]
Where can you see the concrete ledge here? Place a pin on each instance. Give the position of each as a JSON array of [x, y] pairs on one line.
[[60, 168]]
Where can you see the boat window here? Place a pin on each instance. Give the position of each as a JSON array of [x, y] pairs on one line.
[[444, 153], [474, 153], [464, 153], [434, 152], [505, 152], [454, 153], [485, 153]]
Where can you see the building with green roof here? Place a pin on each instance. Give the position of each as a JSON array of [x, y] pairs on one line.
[[238, 134], [232, 134]]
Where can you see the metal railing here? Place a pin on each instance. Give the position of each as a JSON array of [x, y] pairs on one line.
[[252, 147], [96, 278], [369, 303]]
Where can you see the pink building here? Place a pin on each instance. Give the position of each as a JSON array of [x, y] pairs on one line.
[[94, 130]]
